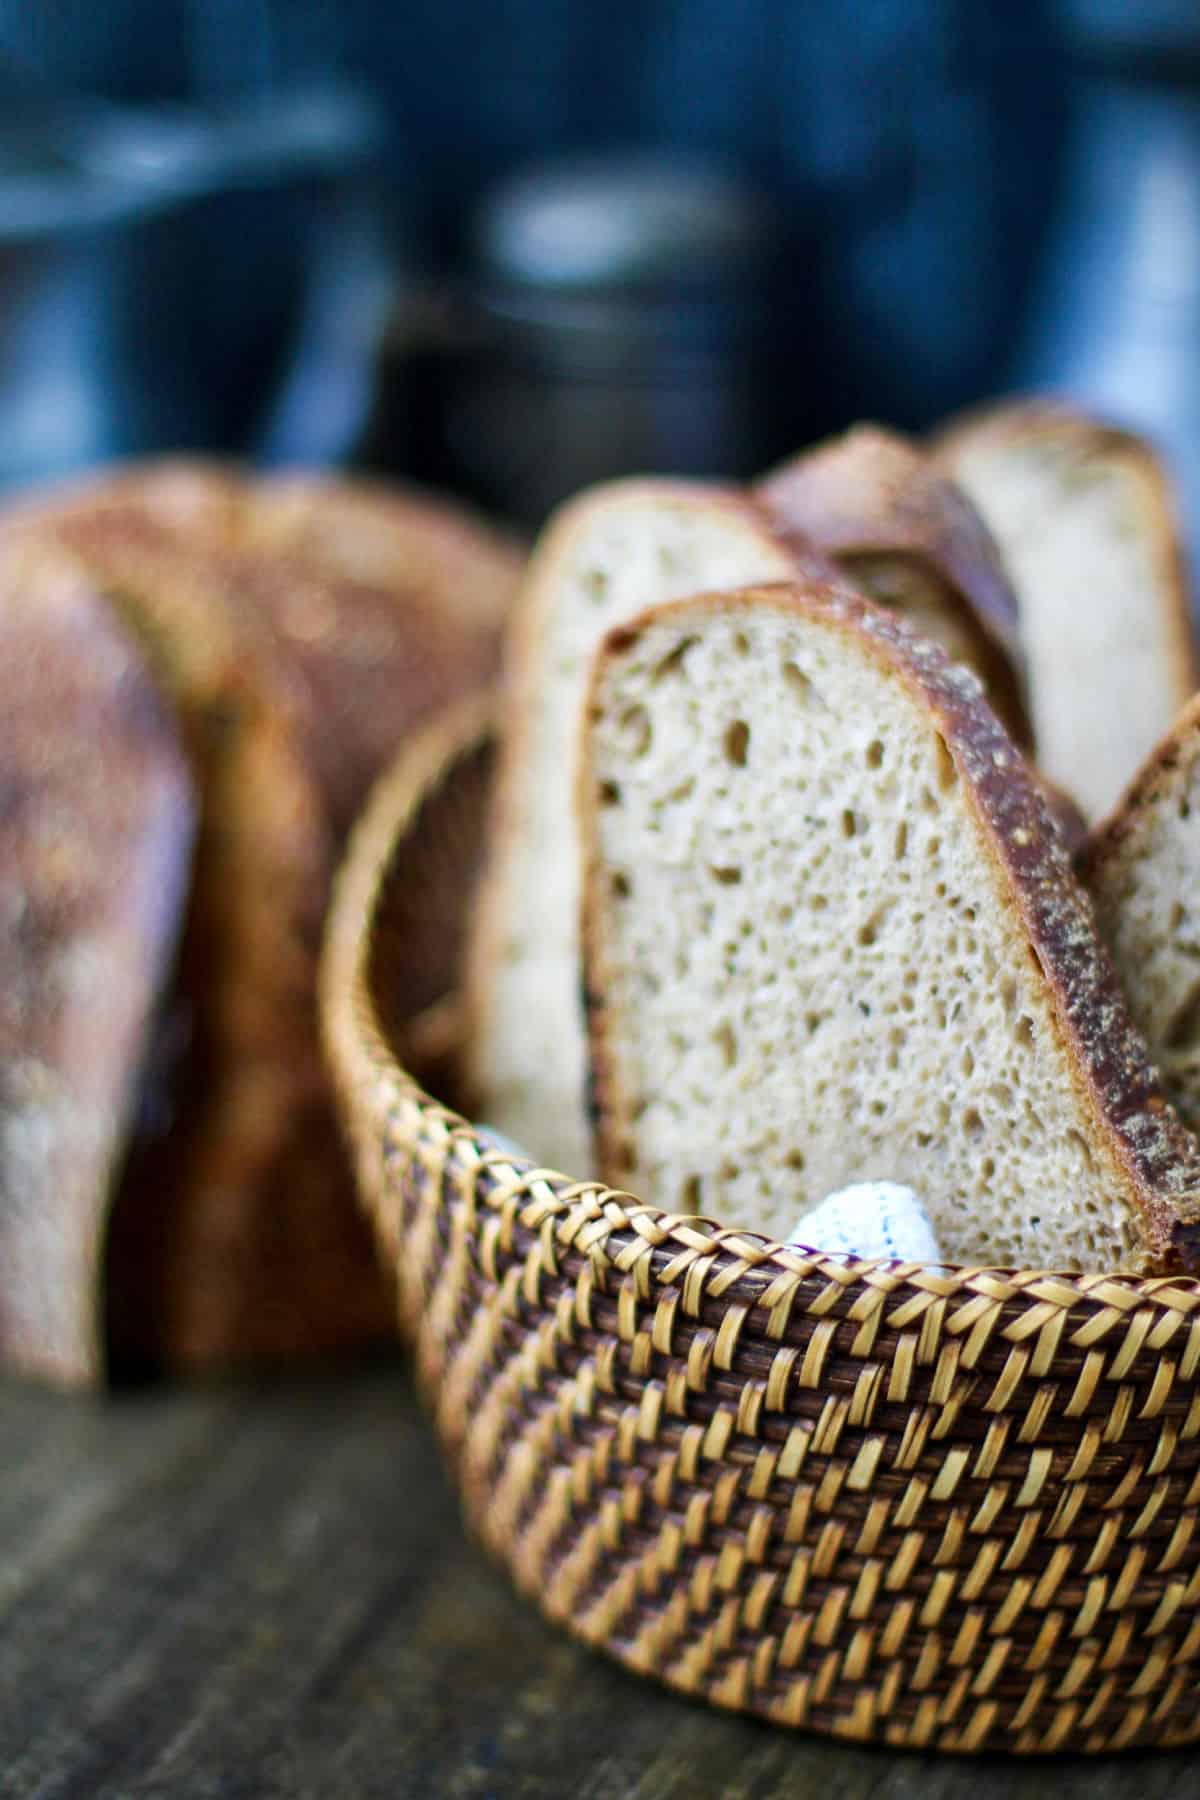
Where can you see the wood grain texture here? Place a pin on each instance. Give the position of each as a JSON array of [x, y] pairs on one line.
[[269, 1593]]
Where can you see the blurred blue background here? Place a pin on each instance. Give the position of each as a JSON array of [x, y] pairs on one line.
[[271, 228]]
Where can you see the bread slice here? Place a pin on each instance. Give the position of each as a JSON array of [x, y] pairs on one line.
[[295, 683], [1142, 868], [830, 936], [96, 820], [604, 557], [906, 536], [1086, 522]]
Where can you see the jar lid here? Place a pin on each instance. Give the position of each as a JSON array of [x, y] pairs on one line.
[[633, 223]]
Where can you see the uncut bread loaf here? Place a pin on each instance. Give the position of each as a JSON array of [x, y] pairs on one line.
[[296, 681], [911, 540], [1142, 868], [1086, 523], [96, 822], [604, 557], [830, 935]]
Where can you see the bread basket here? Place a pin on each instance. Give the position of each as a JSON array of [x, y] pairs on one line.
[[936, 1507]]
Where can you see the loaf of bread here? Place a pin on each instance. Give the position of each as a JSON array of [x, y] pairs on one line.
[[831, 935], [911, 540], [1086, 523], [603, 558], [1142, 867], [96, 819], [295, 679]]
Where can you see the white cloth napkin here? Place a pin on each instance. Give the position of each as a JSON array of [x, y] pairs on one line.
[[870, 1218]]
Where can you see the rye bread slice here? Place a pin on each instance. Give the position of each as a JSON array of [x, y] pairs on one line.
[[1085, 517], [603, 558], [831, 935], [912, 541], [1142, 868], [96, 819]]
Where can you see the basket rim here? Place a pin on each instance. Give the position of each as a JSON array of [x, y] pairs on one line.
[[363, 1056]]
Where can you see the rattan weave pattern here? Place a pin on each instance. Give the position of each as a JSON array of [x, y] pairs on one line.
[[939, 1507]]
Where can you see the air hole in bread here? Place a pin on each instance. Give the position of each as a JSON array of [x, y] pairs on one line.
[[800, 684], [848, 823], [972, 1122], [610, 793], [672, 663], [728, 877], [1080, 1143], [869, 931], [947, 774], [689, 1194], [636, 731], [1023, 1032], [1177, 916], [596, 584], [622, 886], [968, 1061], [900, 843], [726, 1041], [741, 643], [875, 754], [794, 1160], [737, 743]]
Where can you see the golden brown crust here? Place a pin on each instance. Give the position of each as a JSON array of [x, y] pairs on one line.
[[410, 543], [96, 814], [1034, 419], [872, 496], [1157, 1158], [296, 682]]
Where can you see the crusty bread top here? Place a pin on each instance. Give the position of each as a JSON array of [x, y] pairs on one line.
[[872, 492], [360, 609], [96, 822], [411, 543], [1137, 1133], [965, 446]]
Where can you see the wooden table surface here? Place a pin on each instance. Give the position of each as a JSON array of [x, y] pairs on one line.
[[268, 1591]]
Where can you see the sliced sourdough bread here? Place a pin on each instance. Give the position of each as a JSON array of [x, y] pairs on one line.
[[1085, 519], [1142, 868], [96, 816], [604, 557], [296, 680], [830, 935], [910, 539]]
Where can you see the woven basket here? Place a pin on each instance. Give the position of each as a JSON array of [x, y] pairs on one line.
[[938, 1507]]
